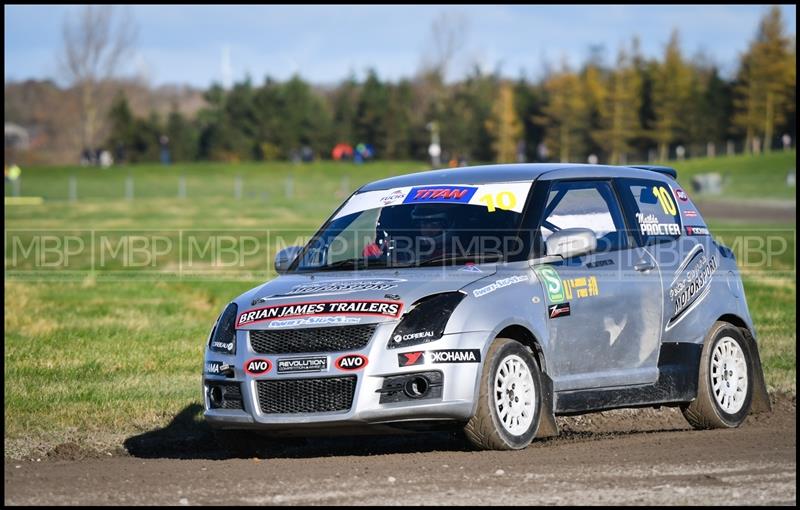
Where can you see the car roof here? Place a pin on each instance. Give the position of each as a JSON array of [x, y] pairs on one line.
[[519, 172]]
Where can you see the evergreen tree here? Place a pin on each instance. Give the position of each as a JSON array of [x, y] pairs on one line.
[[503, 126], [766, 81], [372, 113], [619, 113], [564, 115], [671, 89]]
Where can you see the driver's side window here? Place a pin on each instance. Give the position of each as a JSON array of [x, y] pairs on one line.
[[586, 204]]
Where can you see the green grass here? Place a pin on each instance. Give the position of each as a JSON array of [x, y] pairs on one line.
[[746, 177], [264, 183], [96, 356]]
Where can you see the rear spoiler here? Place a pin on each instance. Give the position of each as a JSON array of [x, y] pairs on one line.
[[660, 169]]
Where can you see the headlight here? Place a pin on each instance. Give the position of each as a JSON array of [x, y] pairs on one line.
[[425, 320], [223, 338]]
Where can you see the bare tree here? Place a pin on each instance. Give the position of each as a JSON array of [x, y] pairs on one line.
[[96, 41], [447, 38]]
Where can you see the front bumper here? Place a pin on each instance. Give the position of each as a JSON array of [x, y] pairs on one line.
[[455, 403]]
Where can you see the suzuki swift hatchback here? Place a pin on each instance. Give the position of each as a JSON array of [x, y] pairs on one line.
[[491, 298]]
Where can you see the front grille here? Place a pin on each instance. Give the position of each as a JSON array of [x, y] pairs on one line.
[[306, 395], [293, 341]]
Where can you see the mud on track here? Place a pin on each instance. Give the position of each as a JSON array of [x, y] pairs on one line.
[[620, 457]]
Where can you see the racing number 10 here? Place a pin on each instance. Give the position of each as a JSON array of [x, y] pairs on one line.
[[665, 199], [503, 200]]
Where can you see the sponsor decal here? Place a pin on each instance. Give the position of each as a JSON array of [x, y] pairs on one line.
[[651, 226], [351, 362], [510, 196], [552, 283], [412, 336], [257, 366], [222, 346], [581, 287], [426, 194], [454, 356], [499, 284], [697, 231], [408, 359], [692, 283], [218, 368], [300, 310], [343, 286], [471, 267], [393, 197], [558, 310], [682, 196], [307, 364], [689, 213], [600, 263], [313, 321]]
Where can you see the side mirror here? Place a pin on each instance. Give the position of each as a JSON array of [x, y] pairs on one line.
[[285, 257], [571, 242]]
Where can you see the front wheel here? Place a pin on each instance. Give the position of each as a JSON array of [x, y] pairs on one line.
[[725, 383], [509, 399]]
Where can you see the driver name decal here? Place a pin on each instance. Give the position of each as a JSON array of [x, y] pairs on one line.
[[651, 226], [297, 310]]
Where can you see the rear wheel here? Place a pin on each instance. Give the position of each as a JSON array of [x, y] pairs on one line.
[[509, 399], [725, 383]]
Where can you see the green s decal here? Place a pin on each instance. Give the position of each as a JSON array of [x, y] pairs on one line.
[[552, 283]]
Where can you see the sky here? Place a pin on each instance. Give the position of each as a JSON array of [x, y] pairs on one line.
[[199, 45]]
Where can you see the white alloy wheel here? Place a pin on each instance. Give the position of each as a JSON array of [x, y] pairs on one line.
[[729, 375], [514, 395]]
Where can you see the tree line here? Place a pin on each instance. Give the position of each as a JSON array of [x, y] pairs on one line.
[[630, 109]]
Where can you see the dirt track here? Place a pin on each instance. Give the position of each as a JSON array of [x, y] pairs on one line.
[[621, 457]]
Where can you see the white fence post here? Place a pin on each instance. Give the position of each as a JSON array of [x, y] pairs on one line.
[[289, 186], [129, 188], [73, 189], [237, 187]]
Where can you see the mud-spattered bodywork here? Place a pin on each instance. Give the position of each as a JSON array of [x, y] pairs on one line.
[[618, 327]]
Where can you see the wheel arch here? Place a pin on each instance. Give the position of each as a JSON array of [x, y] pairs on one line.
[[524, 336], [761, 402]]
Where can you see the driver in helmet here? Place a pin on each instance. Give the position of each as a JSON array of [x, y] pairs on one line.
[[431, 222]]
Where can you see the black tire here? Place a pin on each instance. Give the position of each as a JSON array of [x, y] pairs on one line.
[[485, 429], [706, 412]]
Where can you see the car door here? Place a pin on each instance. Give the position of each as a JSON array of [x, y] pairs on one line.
[[604, 309], [670, 228]]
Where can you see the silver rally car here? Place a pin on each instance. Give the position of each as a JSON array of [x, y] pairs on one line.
[[492, 298]]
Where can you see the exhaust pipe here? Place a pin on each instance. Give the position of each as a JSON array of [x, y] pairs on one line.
[[416, 387]]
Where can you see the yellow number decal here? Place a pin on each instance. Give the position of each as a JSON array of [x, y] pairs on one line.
[[504, 200], [489, 201], [666, 200]]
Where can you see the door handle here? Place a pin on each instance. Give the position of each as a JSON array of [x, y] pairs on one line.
[[644, 265]]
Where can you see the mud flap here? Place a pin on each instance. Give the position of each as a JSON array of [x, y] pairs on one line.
[[760, 402], [547, 419]]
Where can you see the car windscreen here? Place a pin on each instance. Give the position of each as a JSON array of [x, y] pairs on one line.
[[420, 225]]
